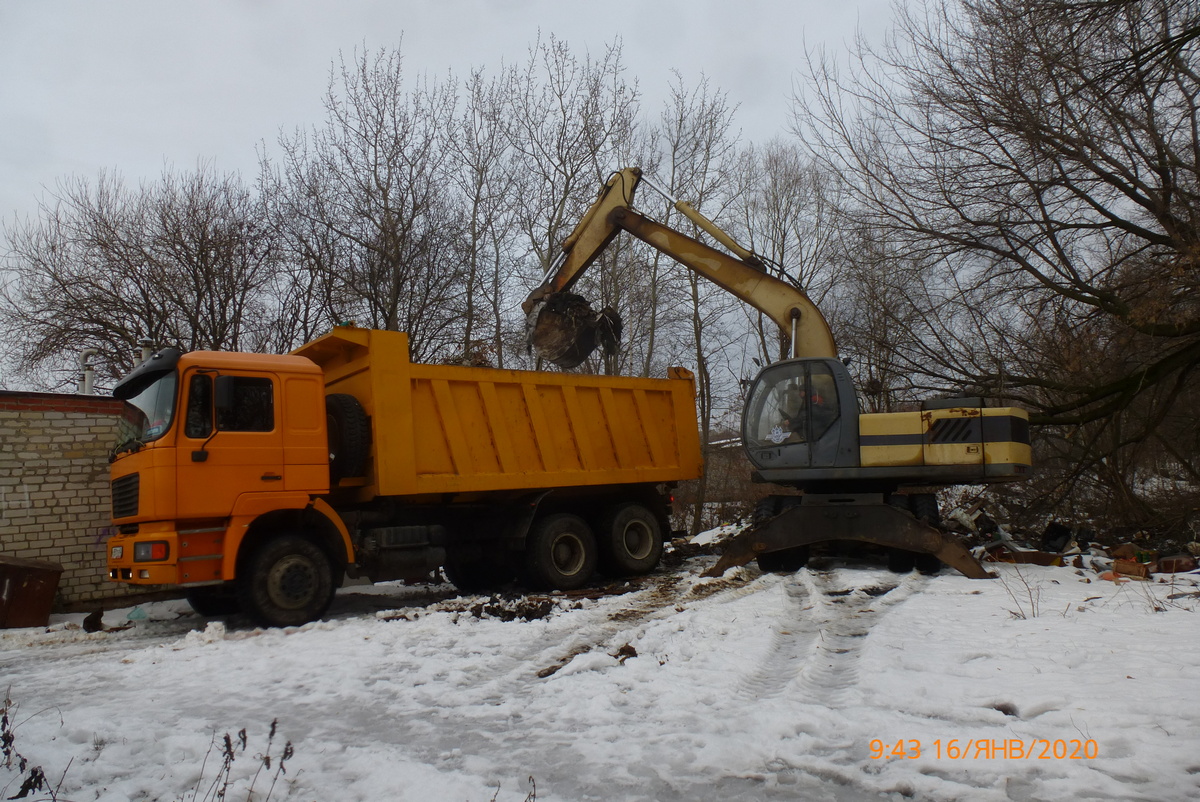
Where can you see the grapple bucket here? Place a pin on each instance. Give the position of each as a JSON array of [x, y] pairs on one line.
[[865, 518], [566, 330]]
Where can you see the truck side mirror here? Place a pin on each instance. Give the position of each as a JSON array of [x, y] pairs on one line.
[[223, 396], [223, 406]]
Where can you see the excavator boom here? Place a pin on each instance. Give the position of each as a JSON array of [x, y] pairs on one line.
[[741, 275]]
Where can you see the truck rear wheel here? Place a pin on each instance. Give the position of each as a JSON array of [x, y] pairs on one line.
[[474, 575], [630, 540], [349, 436], [560, 553], [287, 582]]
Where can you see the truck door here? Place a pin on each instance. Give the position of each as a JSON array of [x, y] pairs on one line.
[[230, 448]]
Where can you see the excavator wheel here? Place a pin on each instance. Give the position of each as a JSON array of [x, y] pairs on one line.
[[925, 508], [788, 561], [901, 561], [766, 508]]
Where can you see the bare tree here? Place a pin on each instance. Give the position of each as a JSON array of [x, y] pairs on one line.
[[570, 120], [1034, 165], [699, 146], [365, 206], [481, 171], [788, 208], [567, 117], [991, 147], [875, 316], [182, 262]]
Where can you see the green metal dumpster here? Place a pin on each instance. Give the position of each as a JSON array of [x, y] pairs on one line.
[[27, 589]]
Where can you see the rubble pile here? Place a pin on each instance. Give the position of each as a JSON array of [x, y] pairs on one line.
[[1063, 545]]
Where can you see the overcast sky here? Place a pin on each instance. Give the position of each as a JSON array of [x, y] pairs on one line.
[[131, 85]]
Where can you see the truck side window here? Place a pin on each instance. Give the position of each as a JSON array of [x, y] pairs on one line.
[[253, 408], [199, 407]]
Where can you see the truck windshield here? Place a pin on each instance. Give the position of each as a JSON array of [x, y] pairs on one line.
[[155, 405]]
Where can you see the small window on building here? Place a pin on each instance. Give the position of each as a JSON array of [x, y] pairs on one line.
[[252, 408]]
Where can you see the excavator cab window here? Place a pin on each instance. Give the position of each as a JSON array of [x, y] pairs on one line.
[[794, 405]]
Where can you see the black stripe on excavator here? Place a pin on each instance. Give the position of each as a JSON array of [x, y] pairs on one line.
[[990, 429], [955, 430]]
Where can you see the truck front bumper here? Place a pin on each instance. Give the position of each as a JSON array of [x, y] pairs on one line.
[[131, 558], [159, 556]]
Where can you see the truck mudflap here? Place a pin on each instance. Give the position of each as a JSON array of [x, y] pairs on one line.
[[865, 518]]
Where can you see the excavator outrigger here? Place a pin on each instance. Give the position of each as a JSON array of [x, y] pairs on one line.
[[867, 477]]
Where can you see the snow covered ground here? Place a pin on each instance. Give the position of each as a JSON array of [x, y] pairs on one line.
[[841, 682]]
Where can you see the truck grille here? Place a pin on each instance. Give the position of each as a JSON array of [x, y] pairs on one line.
[[125, 496]]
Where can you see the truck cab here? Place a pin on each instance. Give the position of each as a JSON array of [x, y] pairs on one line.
[[216, 437]]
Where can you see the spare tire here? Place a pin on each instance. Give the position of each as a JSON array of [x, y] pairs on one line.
[[349, 436]]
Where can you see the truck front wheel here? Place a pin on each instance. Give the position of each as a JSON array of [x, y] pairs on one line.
[[288, 581], [560, 553], [213, 600], [630, 540]]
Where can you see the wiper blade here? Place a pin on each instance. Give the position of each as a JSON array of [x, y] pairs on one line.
[[131, 445]]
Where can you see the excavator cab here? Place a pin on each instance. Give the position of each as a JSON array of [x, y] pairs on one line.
[[802, 413]]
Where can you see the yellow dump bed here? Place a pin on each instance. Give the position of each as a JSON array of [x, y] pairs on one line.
[[445, 429]]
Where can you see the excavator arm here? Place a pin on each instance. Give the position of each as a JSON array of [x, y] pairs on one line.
[[741, 275]]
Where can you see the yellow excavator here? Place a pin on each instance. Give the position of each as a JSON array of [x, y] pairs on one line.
[[866, 477]]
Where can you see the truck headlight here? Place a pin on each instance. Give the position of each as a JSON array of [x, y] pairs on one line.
[[116, 553], [151, 551]]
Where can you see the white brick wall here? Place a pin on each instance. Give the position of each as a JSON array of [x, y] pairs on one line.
[[54, 486]]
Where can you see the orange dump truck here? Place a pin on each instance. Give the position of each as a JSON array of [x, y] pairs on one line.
[[257, 481]]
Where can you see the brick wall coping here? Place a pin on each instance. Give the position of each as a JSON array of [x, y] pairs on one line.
[[61, 402]]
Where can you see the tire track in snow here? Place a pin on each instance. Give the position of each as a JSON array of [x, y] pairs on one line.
[[845, 617], [789, 646], [813, 664], [51, 646], [576, 632], [480, 700], [820, 636]]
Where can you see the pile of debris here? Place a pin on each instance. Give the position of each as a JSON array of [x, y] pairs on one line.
[[1059, 544]]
